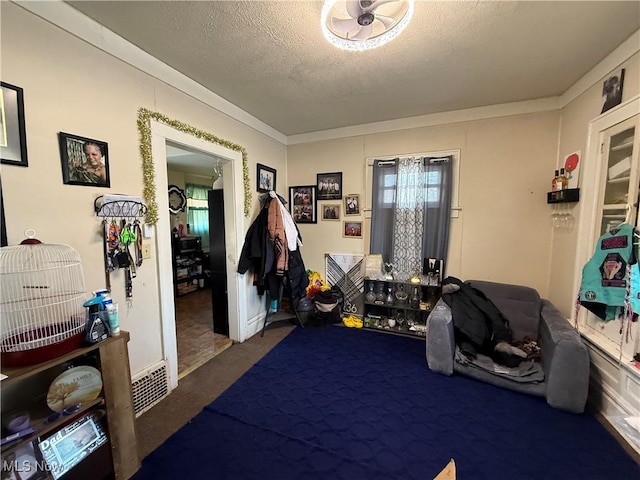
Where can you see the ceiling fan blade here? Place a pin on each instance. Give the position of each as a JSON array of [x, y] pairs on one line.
[[344, 25], [387, 21], [364, 33], [353, 8], [377, 3]]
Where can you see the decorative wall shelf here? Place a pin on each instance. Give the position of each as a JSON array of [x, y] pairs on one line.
[[568, 195]]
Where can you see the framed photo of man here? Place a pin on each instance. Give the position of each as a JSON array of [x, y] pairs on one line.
[[303, 204], [329, 186], [352, 204], [84, 161]]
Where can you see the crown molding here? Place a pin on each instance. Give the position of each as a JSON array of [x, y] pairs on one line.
[[76, 23], [626, 50], [456, 116]]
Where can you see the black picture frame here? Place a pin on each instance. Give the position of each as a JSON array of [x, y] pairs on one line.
[[13, 135], [303, 204], [265, 178], [77, 167], [329, 186], [612, 90]]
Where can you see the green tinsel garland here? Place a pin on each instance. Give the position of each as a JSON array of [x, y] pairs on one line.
[[149, 191]]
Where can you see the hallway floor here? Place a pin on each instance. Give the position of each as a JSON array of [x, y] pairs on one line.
[[197, 343]]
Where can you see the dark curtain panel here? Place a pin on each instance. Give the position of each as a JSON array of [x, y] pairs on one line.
[[437, 214], [382, 206]]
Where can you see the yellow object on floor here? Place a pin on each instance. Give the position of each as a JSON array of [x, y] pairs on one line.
[[352, 322]]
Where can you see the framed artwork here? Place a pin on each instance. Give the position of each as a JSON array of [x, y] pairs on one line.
[[303, 204], [352, 229], [331, 211], [13, 136], [352, 204], [612, 90], [84, 161], [266, 178], [572, 168], [329, 186]]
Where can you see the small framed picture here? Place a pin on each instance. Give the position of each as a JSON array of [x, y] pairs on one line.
[[352, 204], [329, 186], [266, 178], [331, 211], [612, 90], [303, 204], [84, 161], [13, 136], [352, 229]]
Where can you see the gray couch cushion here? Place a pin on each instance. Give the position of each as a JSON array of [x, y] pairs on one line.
[[519, 304]]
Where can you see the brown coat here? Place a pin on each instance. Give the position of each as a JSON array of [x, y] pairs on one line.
[[277, 235]]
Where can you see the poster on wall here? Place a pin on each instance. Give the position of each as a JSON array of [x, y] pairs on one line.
[[572, 168], [346, 271]]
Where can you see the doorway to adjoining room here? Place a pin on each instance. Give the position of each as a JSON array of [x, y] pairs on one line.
[[198, 250]]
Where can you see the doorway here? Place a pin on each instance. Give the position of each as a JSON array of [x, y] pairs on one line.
[[233, 192], [198, 254]]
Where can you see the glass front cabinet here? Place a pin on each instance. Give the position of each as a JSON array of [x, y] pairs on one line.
[[618, 203]]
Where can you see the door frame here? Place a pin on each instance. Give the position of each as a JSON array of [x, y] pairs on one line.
[[234, 200]]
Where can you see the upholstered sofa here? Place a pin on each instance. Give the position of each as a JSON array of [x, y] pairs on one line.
[[564, 358]]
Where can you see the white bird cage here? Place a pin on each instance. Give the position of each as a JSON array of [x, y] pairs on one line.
[[41, 295]]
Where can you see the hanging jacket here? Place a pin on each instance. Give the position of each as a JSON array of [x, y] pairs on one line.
[[475, 318], [605, 276], [277, 237], [259, 255]]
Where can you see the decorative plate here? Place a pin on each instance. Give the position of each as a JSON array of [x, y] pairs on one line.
[[77, 385]]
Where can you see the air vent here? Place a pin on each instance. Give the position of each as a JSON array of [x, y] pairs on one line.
[[149, 387]]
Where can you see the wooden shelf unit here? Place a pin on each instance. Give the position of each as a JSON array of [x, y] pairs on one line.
[[26, 388]]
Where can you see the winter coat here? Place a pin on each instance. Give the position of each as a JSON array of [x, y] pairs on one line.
[[475, 318]]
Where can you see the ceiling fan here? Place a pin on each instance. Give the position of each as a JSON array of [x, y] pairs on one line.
[[364, 24]]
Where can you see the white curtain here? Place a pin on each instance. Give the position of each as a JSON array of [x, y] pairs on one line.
[[409, 218]]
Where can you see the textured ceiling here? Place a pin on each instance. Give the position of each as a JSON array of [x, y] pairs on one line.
[[270, 59]]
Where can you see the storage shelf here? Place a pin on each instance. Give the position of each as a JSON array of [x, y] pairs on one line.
[[623, 146], [619, 180], [38, 419]]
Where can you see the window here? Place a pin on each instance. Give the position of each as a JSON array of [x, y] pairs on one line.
[[198, 211], [410, 205]]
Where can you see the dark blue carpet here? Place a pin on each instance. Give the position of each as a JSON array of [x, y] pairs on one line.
[[338, 403]]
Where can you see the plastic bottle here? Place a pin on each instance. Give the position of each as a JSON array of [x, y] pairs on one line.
[[114, 319]]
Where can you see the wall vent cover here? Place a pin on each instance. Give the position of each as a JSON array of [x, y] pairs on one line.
[[149, 387]]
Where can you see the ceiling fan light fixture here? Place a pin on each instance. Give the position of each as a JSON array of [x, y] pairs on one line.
[[364, 24]]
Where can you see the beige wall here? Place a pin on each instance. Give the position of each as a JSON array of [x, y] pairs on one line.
[[576, 117], [70, 86], [503, 232]]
